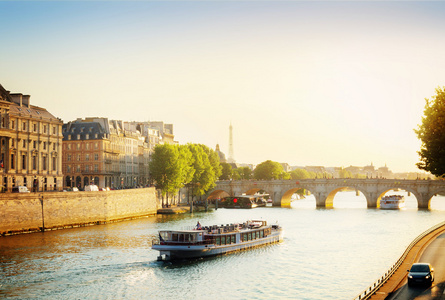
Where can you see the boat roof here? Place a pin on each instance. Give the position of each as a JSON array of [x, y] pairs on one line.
[[184, 231]]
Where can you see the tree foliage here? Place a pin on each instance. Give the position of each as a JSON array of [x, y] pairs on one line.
[[174, 166], [226, 172], [244, 173], [300, 174], [169, 168], [207, 168], [432, 135], [268, 170]]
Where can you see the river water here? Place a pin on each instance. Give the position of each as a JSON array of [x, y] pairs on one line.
[[326, 254]]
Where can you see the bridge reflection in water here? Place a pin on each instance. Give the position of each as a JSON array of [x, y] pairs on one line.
[[324, 190]]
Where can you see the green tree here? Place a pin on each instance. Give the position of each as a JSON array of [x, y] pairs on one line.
[[268, 170], [226, 173], [344, 174], [432, 135], [168, 168], [285, 175], [186, 158], [245, 173], [236, 174], [204, 175], [214, 163], [300, 174]]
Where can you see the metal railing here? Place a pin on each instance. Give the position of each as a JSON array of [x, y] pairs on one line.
[[371, 290]]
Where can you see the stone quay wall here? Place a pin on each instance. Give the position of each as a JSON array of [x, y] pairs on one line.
[[32, 212]]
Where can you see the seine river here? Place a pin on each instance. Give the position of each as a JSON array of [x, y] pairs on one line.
[[326, 254]]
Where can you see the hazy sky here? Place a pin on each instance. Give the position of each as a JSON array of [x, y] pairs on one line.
[[303, 82]]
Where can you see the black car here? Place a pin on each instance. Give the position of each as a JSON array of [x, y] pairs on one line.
[[420, 273]]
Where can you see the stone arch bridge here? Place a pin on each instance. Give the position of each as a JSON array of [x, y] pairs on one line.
[[324, 190]]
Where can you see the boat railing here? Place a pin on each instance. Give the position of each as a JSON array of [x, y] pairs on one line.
[[178, 243]]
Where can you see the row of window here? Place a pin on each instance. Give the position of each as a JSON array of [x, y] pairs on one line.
[[78, 157], [95, 168], [34, 161], [78, 168], [77, 136], [78, 146], [33, 143], [252, 235], [226, 239], [34, 127]]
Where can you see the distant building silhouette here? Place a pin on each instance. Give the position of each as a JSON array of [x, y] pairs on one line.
[[222, 156]]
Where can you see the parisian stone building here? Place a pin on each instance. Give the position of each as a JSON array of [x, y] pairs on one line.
[[30, 145], [109, 153]]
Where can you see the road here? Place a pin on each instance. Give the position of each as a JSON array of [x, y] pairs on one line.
[[435, 255]]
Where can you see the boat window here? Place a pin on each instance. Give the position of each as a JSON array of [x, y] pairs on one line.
[[244, 237], [223, 240], [250, 236], [164, 235], [233, 239], [174, 237], [192, 238], [261, 233], [257, 234], [181, 237], [218, 240]]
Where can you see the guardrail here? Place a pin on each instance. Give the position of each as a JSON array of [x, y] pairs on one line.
[[371, 290]]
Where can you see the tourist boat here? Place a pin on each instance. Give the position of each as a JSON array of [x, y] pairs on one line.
[[244, 201], [215, 240], [392, 202]]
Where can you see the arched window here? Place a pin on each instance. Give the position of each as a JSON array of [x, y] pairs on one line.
[[78, 181]]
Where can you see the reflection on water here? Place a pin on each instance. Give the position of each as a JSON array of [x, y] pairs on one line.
[[115, 261]]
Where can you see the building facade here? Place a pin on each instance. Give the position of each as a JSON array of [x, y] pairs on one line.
[[30, 145], [109, 153]]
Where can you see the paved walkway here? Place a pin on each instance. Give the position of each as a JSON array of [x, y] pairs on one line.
[[397, 280]]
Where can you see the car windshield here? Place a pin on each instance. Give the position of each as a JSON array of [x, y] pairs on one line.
[[420, 268]]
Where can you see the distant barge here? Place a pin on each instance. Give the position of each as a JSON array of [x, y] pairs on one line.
[[215, 240], [243, 201], [392, 202]]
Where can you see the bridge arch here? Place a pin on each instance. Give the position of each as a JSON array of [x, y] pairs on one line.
[[416, 194], [286, 198], [331, 195], [434, 192]]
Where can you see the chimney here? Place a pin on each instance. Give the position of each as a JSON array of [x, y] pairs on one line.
[[17, 98], [25, 100]]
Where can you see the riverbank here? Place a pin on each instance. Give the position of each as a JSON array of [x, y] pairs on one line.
[[181, 209], [34, 212]]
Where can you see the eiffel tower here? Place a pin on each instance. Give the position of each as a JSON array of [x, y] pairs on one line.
[[230, 159]]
